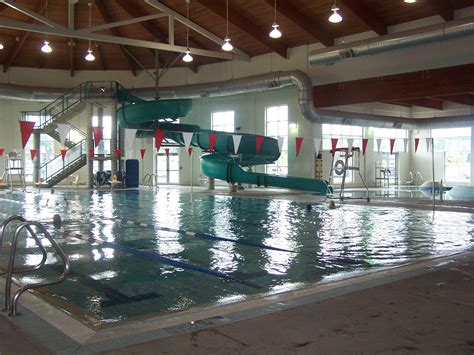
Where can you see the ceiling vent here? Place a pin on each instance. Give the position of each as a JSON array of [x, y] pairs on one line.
[[397, 125], [204, 94], [347, 121], [346, 54]]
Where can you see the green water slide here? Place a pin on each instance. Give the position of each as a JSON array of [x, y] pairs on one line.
[[222, 164]]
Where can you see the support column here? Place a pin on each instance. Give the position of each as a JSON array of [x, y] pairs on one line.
[[90, 145], [211, 183], [36, 162], [113, 138], [100, 123]]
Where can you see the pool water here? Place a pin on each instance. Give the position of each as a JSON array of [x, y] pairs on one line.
[[108, 283]]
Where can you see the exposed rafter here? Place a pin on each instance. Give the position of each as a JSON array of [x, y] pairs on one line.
[[246, 25], [463, 99], [116, 32], [32, 14], [423, 102], [303, 22], [366, 15], [194, 26], [442, 8], [13, 53], [131, 21], [426, 83]]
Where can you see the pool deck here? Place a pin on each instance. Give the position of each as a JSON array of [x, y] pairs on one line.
[[426, 306]]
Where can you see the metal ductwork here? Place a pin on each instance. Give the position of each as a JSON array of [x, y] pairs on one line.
[[29, 93], [257, 83], [425, 35], [260, 83]]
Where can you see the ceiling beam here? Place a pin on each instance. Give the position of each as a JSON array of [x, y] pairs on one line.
[[116, 32], [397, 103], [419, 84], [245, 24], [424, 102], [442, 8], [195, 27], [13, 53], [32, 14], [462, 99], [367, 16], [21, 26], [304, 22], [131, 21]]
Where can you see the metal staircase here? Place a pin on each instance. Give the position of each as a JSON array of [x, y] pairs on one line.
[[62, 110]]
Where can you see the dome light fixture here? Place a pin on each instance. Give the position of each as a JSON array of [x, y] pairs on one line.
[[275, 33], [46, 48], [1, 45], [409, 1], [227, 46], [90, 57], [187, 54], [335, 17]]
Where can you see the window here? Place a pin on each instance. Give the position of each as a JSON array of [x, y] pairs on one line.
[[342, 133], [386, 134], [223, 121], [104, 145], [456, 145], [276, 125]]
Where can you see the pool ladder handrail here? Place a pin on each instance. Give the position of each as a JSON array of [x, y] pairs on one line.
[[148, 181], [11, 302]]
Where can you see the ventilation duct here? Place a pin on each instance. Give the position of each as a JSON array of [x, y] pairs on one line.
[[261, 83], [401, 40]]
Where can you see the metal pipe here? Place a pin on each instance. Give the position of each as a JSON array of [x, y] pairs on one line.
[[405, 39]]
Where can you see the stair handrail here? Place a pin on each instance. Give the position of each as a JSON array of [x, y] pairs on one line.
[[81, 154], [11, 302]]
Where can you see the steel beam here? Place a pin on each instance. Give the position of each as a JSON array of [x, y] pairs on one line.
[[30, 13], [194, 26], [121, 23], [64, 32]]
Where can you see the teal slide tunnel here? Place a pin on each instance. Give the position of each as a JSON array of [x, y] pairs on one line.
[[223, 163]]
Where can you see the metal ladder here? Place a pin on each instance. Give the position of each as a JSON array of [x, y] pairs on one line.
[[11, 302], [150, 180]]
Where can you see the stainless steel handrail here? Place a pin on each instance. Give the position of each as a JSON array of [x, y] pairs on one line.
[[3, 227], [11, 302]]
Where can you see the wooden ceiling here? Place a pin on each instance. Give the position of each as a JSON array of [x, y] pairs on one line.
[[301, 21]]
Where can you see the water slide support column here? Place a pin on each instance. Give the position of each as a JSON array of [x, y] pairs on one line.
[[113, 138], [90, 145], [36, 162]]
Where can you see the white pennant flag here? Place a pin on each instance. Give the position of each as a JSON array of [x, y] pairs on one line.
[[236, 138], [350, 142], [405, 145], [379, 144], [317, 145], [428, 142], [63, 130], [281, 140], [129, 138], [187, 137]]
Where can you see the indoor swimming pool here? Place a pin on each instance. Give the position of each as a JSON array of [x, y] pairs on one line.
[[143, 253]]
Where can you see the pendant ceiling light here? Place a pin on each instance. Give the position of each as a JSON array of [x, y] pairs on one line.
[[335, 17], [89, 56], [275, 33], [187, 54], [227, 46], [1, 45], [46, 48], [410, 1]]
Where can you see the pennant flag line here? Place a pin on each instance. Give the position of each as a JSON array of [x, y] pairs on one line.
[[91, 152], [364, 145], [299, 141], [26, 129], [379, 144], [2, 150], [333, 145], [159, 136], [63, 130], [281, 140], [350, 143], [33, 153], [258, 143], [63, 153], [187, 138], [142, 152], [236, 138], [317, 145], [190, 151], [117, 153], [392, 144], [167, 151], [417, 141], [428, 142], [98, 133], [212, 141], [405, 145]]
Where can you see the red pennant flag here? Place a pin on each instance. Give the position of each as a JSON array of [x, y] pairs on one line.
[[26, 128], [392, 144], [142, 152], [33, 153], [63, 153], [190, 151], [159, 136], [167, 151], [258, 143], [212, 141], [299, 141], [417, 141], [98, 133], [1, 151], [364, 145], [91, 152], [117, 153], [334, 145]]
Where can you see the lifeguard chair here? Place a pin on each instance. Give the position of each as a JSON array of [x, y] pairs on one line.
[[341, 166], [14, 166]]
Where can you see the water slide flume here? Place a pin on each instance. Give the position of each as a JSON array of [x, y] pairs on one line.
[[222, 163]]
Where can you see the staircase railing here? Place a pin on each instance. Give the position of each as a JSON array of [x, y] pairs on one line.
[[55, 166]]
